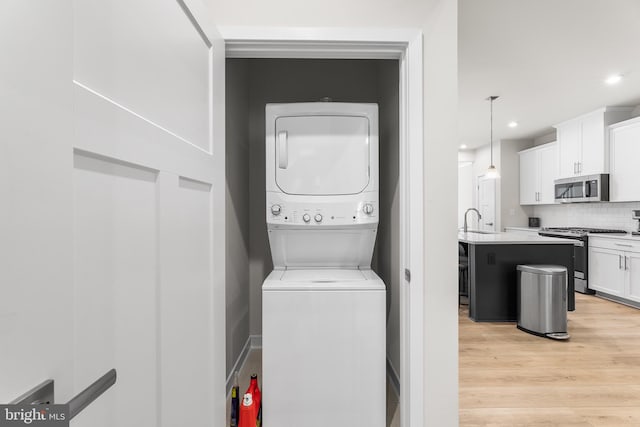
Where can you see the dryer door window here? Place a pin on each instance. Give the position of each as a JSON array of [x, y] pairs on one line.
[[322, 155]]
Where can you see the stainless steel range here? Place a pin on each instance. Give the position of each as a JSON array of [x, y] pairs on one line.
[[580, 251]]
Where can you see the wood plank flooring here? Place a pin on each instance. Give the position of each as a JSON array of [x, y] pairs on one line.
[[511, 378]]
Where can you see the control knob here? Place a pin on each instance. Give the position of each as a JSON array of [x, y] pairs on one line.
[[368, 208], [276, 209], [306, 217], [318, 218]]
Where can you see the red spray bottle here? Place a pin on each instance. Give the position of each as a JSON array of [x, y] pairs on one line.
[[250, 407]]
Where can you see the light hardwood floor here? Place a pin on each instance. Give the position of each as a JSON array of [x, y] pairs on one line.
[[511, 378]]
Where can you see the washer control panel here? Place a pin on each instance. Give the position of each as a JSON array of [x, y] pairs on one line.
[[315, 214]]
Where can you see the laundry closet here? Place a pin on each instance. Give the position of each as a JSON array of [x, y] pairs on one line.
[[250, 85]]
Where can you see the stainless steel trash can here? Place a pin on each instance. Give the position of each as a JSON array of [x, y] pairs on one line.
[[542, 300]]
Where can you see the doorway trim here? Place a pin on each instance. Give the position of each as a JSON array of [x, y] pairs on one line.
[[405, 45]]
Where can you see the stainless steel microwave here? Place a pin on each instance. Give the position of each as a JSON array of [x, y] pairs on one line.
[[588, 188]]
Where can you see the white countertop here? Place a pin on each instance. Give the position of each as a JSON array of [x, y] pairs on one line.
[[510, 239], [627, 236], [536, 229]]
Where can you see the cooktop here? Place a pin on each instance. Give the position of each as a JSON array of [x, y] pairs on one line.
[[584, 230]]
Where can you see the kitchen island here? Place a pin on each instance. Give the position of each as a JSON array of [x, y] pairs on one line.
[[492, 260]]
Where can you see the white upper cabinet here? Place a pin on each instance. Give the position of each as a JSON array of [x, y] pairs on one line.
[[583, 142], [538, 170], [624, 140]]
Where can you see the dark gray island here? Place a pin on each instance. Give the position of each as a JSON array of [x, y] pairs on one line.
[[492, 260]]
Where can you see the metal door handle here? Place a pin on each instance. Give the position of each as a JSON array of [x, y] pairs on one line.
[[91, 393], [44, 394], [283, 150]]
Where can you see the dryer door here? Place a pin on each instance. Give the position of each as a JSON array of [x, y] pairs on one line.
[[322, 155]]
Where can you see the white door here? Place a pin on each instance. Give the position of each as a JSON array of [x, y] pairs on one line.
[[547, 173], [36, 229], [624, 174], [569, 147], [633, 275], [606, 271], [114, 161], [529, 177], [592, 159], [487, 203]]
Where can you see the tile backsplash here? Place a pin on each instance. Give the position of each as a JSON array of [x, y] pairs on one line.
[[600, 215]]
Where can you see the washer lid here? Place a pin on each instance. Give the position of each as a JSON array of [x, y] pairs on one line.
[[322, 154], [318, 280], [314, 247]]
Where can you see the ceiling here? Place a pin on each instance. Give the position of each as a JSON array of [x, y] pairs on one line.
[[546, 59]]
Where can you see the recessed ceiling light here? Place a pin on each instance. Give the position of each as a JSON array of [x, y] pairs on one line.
[[463, 146], [613, 79], [513, 124]]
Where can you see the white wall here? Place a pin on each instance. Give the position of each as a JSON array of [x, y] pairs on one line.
[[465, 188], [480, 166], [546, 138], [438, 21], [511, 213]]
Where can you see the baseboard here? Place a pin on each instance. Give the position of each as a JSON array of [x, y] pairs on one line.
[[394, 378], [617, 299], [253, 342]]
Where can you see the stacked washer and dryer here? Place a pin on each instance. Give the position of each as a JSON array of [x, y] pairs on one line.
[[323, 308]]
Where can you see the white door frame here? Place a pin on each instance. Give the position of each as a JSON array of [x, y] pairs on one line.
[[405, 46]]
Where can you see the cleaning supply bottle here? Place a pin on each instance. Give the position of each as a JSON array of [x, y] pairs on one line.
[[248, 412], [235, 402], [255, 390], [257, 397]]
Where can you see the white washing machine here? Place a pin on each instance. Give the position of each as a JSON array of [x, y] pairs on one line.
[[323, 308]]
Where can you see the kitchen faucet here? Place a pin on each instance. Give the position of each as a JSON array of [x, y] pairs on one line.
[[465, 217]]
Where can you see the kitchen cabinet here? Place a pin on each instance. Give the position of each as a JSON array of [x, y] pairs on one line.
[[614, 267], [538, 170], [583, 142], [624, 146]]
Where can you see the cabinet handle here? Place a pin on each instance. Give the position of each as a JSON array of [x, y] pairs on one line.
[[622, 244], [579, 167], [625, 263], [619, 262]]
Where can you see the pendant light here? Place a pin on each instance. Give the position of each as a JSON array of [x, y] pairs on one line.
[[492, 172]]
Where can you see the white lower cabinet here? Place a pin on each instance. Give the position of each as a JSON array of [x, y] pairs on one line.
[[614, 268], [605, 271], [633, 273]]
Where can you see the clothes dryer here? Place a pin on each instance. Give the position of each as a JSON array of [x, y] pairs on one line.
[[323, 316]]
